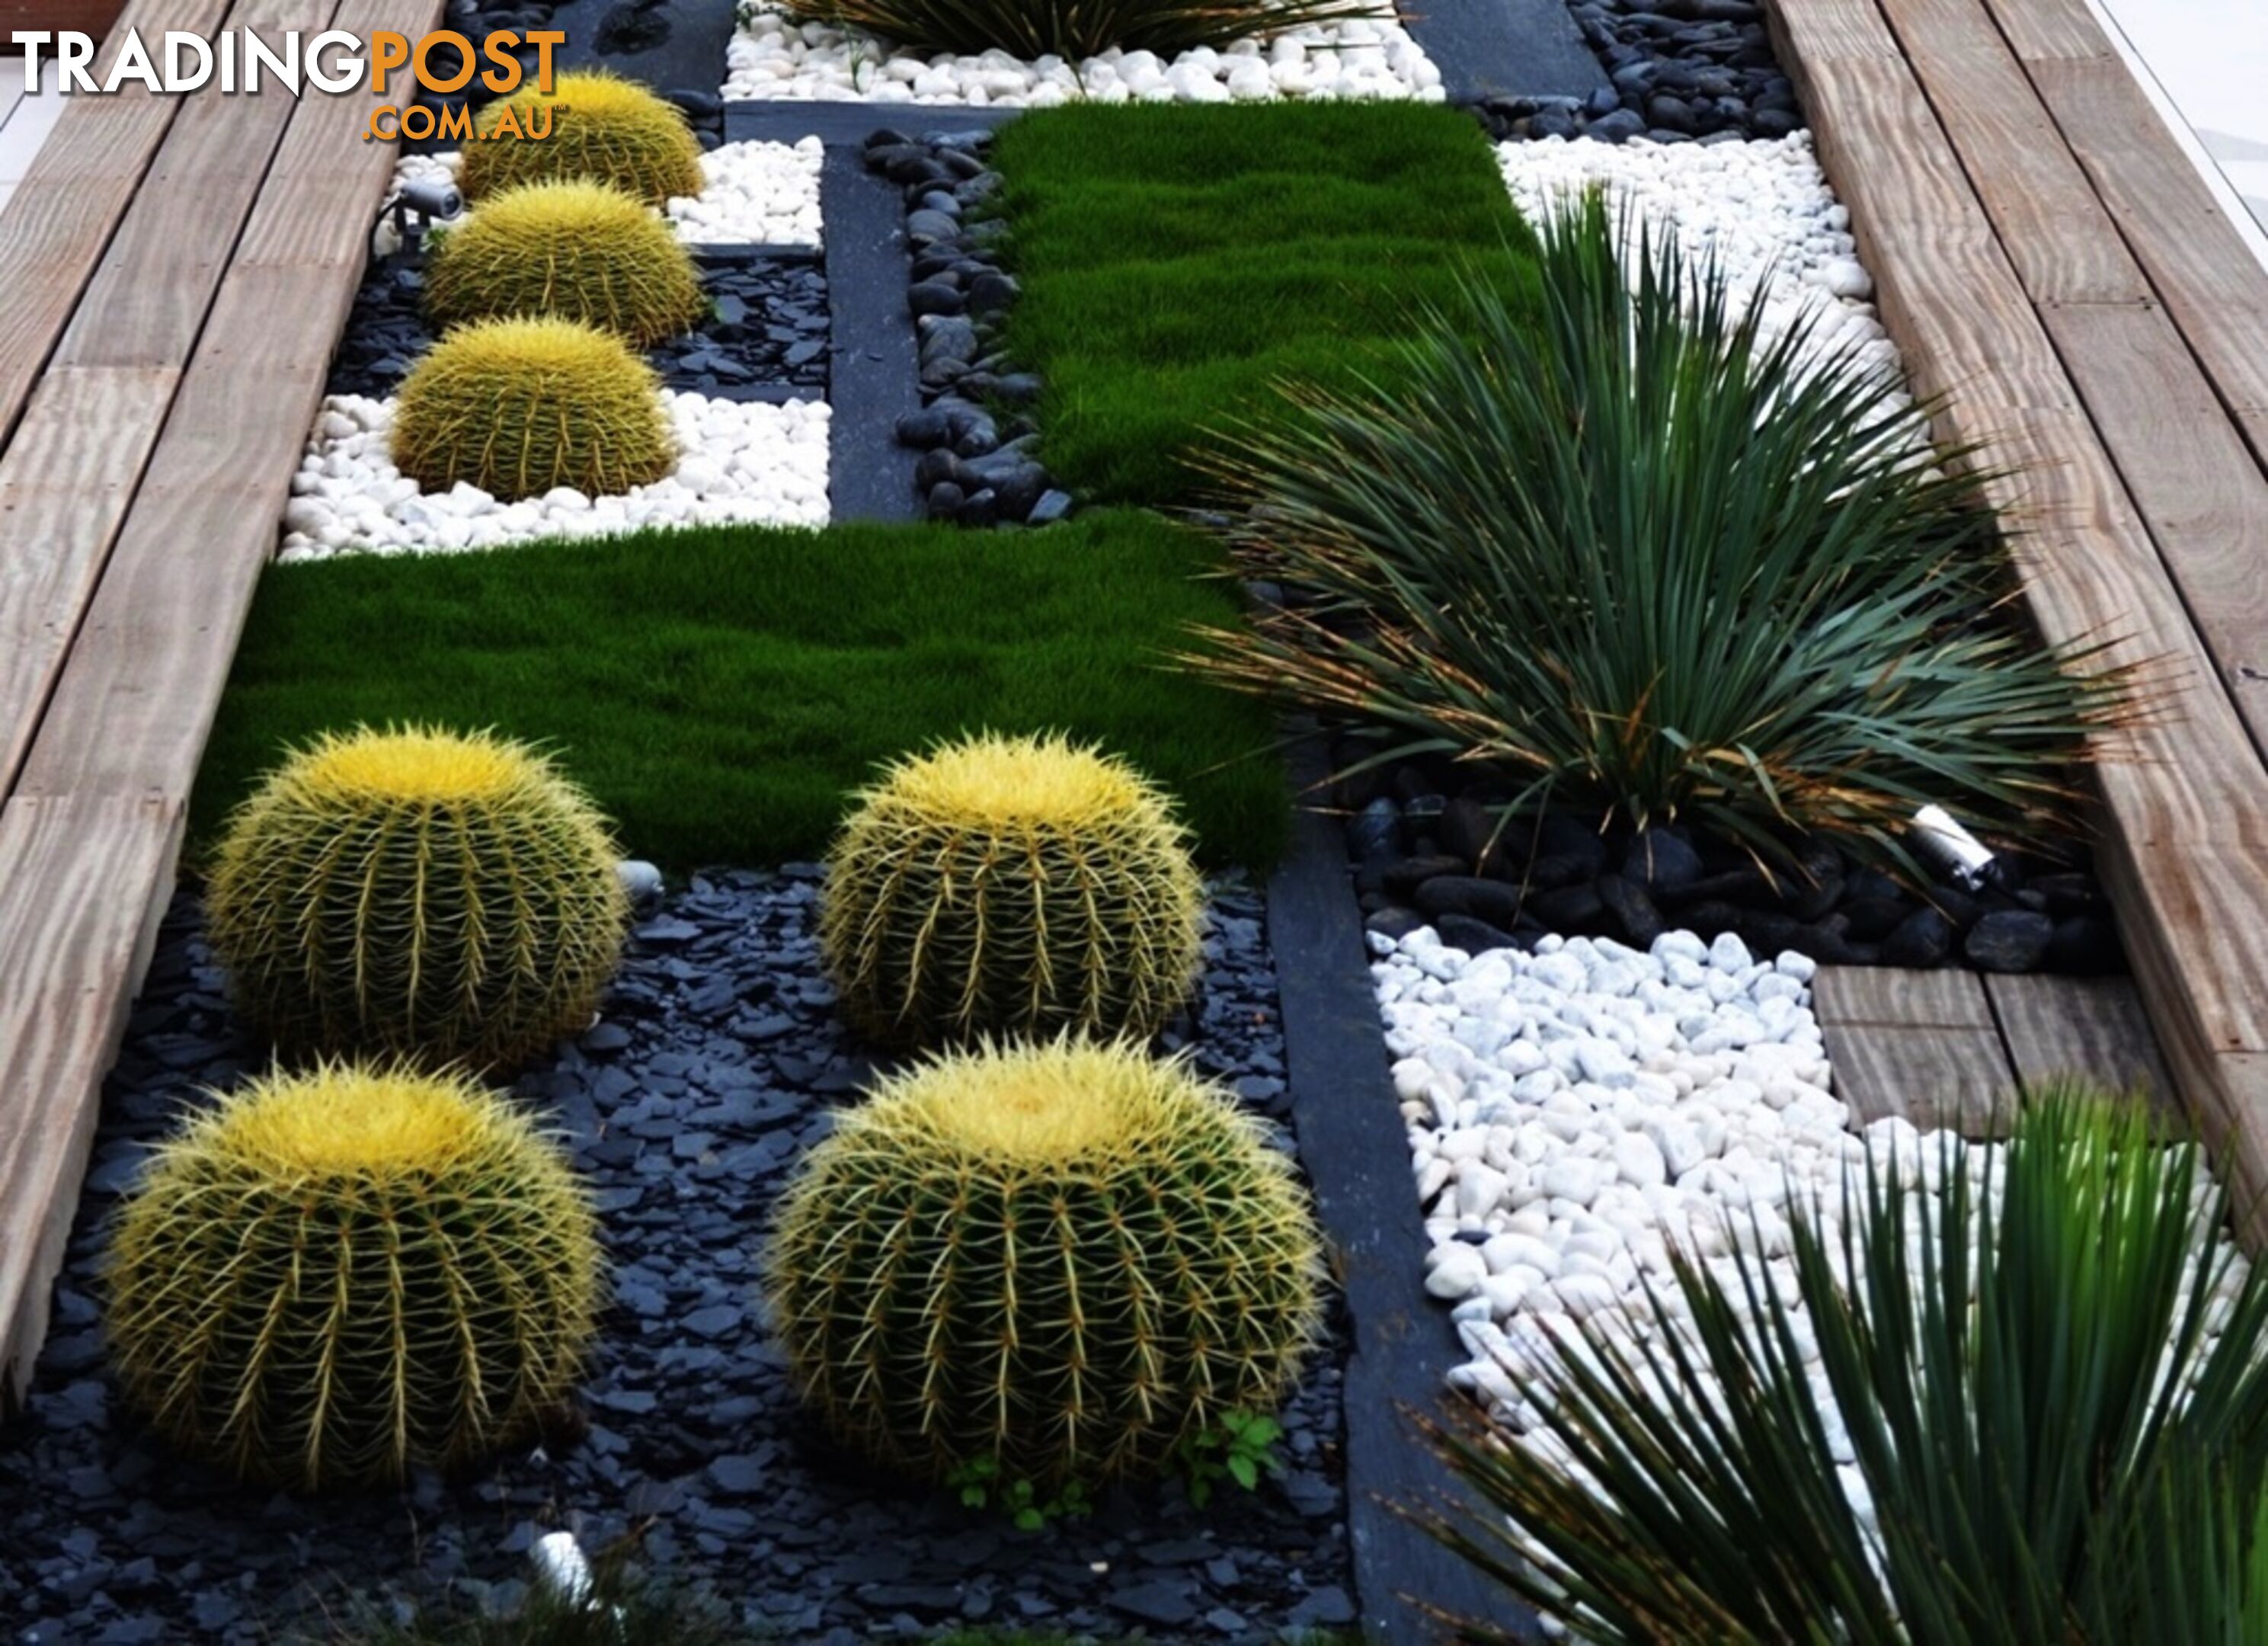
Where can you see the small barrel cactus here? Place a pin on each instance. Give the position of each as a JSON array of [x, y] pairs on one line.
[[601, 127], [434, 897], [572, 250], [1010, 885], [330, 1277], [1062, 1259], [518, 406]]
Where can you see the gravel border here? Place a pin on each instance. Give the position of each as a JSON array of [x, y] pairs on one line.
[[716, 1064]]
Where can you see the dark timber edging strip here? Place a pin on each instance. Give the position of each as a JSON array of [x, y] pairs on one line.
[[873, 371], [1505, 48], [1358, 1156]]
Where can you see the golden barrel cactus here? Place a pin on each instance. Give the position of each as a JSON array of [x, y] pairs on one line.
[[1010, 885], [601, 127], [1062, 1258], [570, 249], [518, 406], [331, 1277], [430, 896]]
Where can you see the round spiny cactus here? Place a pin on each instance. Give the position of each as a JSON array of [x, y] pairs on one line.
[[518, 406], [439, 897], [331, 1277], [571, 249], [603, 127], [1063, 1257], [1010, 885]]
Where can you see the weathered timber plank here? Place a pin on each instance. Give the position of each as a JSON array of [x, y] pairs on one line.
[[154, 652], [2185, 796], [2208, 279], [2190, 474], [2035, 192], [2200, 494], [1920, 1045], [129, 713], [149, 298], [72, 955], [61, 215], [65, 481], [1942, 998], [2093, 1028]]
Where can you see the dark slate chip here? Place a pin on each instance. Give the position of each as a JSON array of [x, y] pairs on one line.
[[688, 1110]]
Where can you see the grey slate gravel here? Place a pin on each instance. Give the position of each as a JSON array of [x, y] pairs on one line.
[[718, 1062]]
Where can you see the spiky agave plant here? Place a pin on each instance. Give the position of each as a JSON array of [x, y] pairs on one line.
[[435, 895], [569, 250], [1061, 1257], [328, 1278], [1072, 29], [1010, 885], [601, 127], [2047, 1441], [1617, 547], [520, 405]]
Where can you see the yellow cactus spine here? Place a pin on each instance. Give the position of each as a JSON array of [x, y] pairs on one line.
[[418, 893], [329, 1278], [567, 249], [518, 406], [603, 127], [1017, 885], [1063, 1257]]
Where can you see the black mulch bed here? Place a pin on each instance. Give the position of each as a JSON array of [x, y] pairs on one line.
[[974, 431], [1422, 846], [718, 1063], [766, 328], [1677, 71]]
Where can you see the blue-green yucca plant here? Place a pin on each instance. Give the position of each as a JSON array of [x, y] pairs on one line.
[[1619, 548], [2052, 1448]]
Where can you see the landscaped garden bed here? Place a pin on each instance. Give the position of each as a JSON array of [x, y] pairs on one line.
[[718, 1063], [1596, 541]]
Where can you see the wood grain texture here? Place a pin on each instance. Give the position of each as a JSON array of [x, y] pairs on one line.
[[96, 815], [2185, 797], [71, 958], [2208, 279], [2091, 1027], [1920, 1044], [60, 216], [149, 298], [2038, 197], [2190, 474], [2196, 487], [65, 482]]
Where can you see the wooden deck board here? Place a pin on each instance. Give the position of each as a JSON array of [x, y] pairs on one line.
[[2186, 794], [2201, 497], [1920, 1044], [95, 815], [61, 215], [2195, 256], [2091, 1027]]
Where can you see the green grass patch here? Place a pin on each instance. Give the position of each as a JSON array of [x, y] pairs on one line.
[[1176, 262], [719, 691]]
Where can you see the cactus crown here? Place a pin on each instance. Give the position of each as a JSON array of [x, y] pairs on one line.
[[434, 896], [1065, 1257], [1011, 884], [603, 127], [518, 406], [330, 1277], [570, 249]]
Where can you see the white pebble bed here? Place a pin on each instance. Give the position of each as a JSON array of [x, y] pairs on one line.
[[1575, 1113], [753, 194], [771, 57], [738, 463], [1763, 210]]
